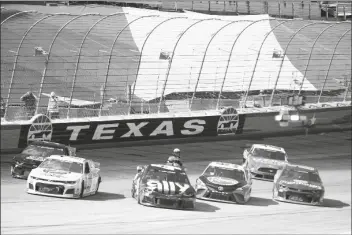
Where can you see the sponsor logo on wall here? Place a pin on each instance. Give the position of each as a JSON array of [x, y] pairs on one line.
[[230, 122], [41, 129]]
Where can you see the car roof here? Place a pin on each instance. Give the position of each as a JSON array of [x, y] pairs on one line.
[[226, 165], [167, 167], [301, 168], [47, 143], [269, 147], [68, 158]]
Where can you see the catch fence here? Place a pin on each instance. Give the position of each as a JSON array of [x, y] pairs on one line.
[[127, 63]]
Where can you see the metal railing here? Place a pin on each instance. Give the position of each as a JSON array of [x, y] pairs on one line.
[[132, 77]]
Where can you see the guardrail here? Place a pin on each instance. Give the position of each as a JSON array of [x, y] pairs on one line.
[[116, 130]]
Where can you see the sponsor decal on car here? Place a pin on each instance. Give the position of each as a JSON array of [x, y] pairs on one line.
[[222, 181], [167, 187], [300, 182], [36, 158]]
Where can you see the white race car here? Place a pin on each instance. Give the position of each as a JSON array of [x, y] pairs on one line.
[[263, 161], [65, 176]]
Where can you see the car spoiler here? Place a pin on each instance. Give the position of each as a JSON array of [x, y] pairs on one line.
[[72, 150], [96, 165]]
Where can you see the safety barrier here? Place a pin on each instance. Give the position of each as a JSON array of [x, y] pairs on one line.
[[195, 126]]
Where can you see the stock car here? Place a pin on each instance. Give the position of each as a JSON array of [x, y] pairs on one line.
[[298, 184], [65, 176], [34, 154], [263, 161], [224, 182], [164, 186]]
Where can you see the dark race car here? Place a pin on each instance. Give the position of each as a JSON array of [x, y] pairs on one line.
[[34, 154], [298, 184], [163, 186], [224, 182]]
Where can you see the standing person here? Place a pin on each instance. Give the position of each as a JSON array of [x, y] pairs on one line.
[[30, 102], [53, 106]]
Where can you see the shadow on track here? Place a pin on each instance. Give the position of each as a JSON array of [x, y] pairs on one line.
[[204, 207], [258, 201], [253, 201], [104, 196], [335, 203]]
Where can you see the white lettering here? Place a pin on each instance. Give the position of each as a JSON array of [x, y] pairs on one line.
[[164, 128], [166, 187], [192, 124], [182, 188], [100, 131], [76, 130], [134, 130], [172, 187], [155, 185]]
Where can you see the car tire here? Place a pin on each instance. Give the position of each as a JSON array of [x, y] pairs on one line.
[[139, 198], [12, 172], [98, 184], [133, 190], [82, 190]]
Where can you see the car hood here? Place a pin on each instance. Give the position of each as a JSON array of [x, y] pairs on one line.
[[29, 159], [55, 174], [301, 184], [227, 183], [264, 162], [169, 187]]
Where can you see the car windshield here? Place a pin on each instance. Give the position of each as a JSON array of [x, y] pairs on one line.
[[58, 165], [167, 175], [225, 172], [42, 151], [302, 175], [265, 153]]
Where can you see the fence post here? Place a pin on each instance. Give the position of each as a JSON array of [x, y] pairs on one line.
[[264, 7], [344, 13], [337, 11], [172, 57], [248, 8], [346, 92], [267, 8], [330, 63], [293, 10], [192, 6], [326, 12], [224, 6], [279, 9], [209, 6], [309, 10], [236, 7]]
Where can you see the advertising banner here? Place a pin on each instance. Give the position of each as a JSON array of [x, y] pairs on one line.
[[75, 133]]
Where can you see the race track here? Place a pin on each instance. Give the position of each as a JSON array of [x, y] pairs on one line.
[[114, 211]]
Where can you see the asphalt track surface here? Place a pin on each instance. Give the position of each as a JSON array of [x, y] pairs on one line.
[[113, 210]]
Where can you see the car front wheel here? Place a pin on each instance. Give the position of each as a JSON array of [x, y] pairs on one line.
[[12, 171], [82, 190], [98, 184]]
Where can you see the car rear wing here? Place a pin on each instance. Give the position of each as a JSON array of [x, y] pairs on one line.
[[71, 151], [96, 165]]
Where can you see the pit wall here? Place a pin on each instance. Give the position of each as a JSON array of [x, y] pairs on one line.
[[117, 131]]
